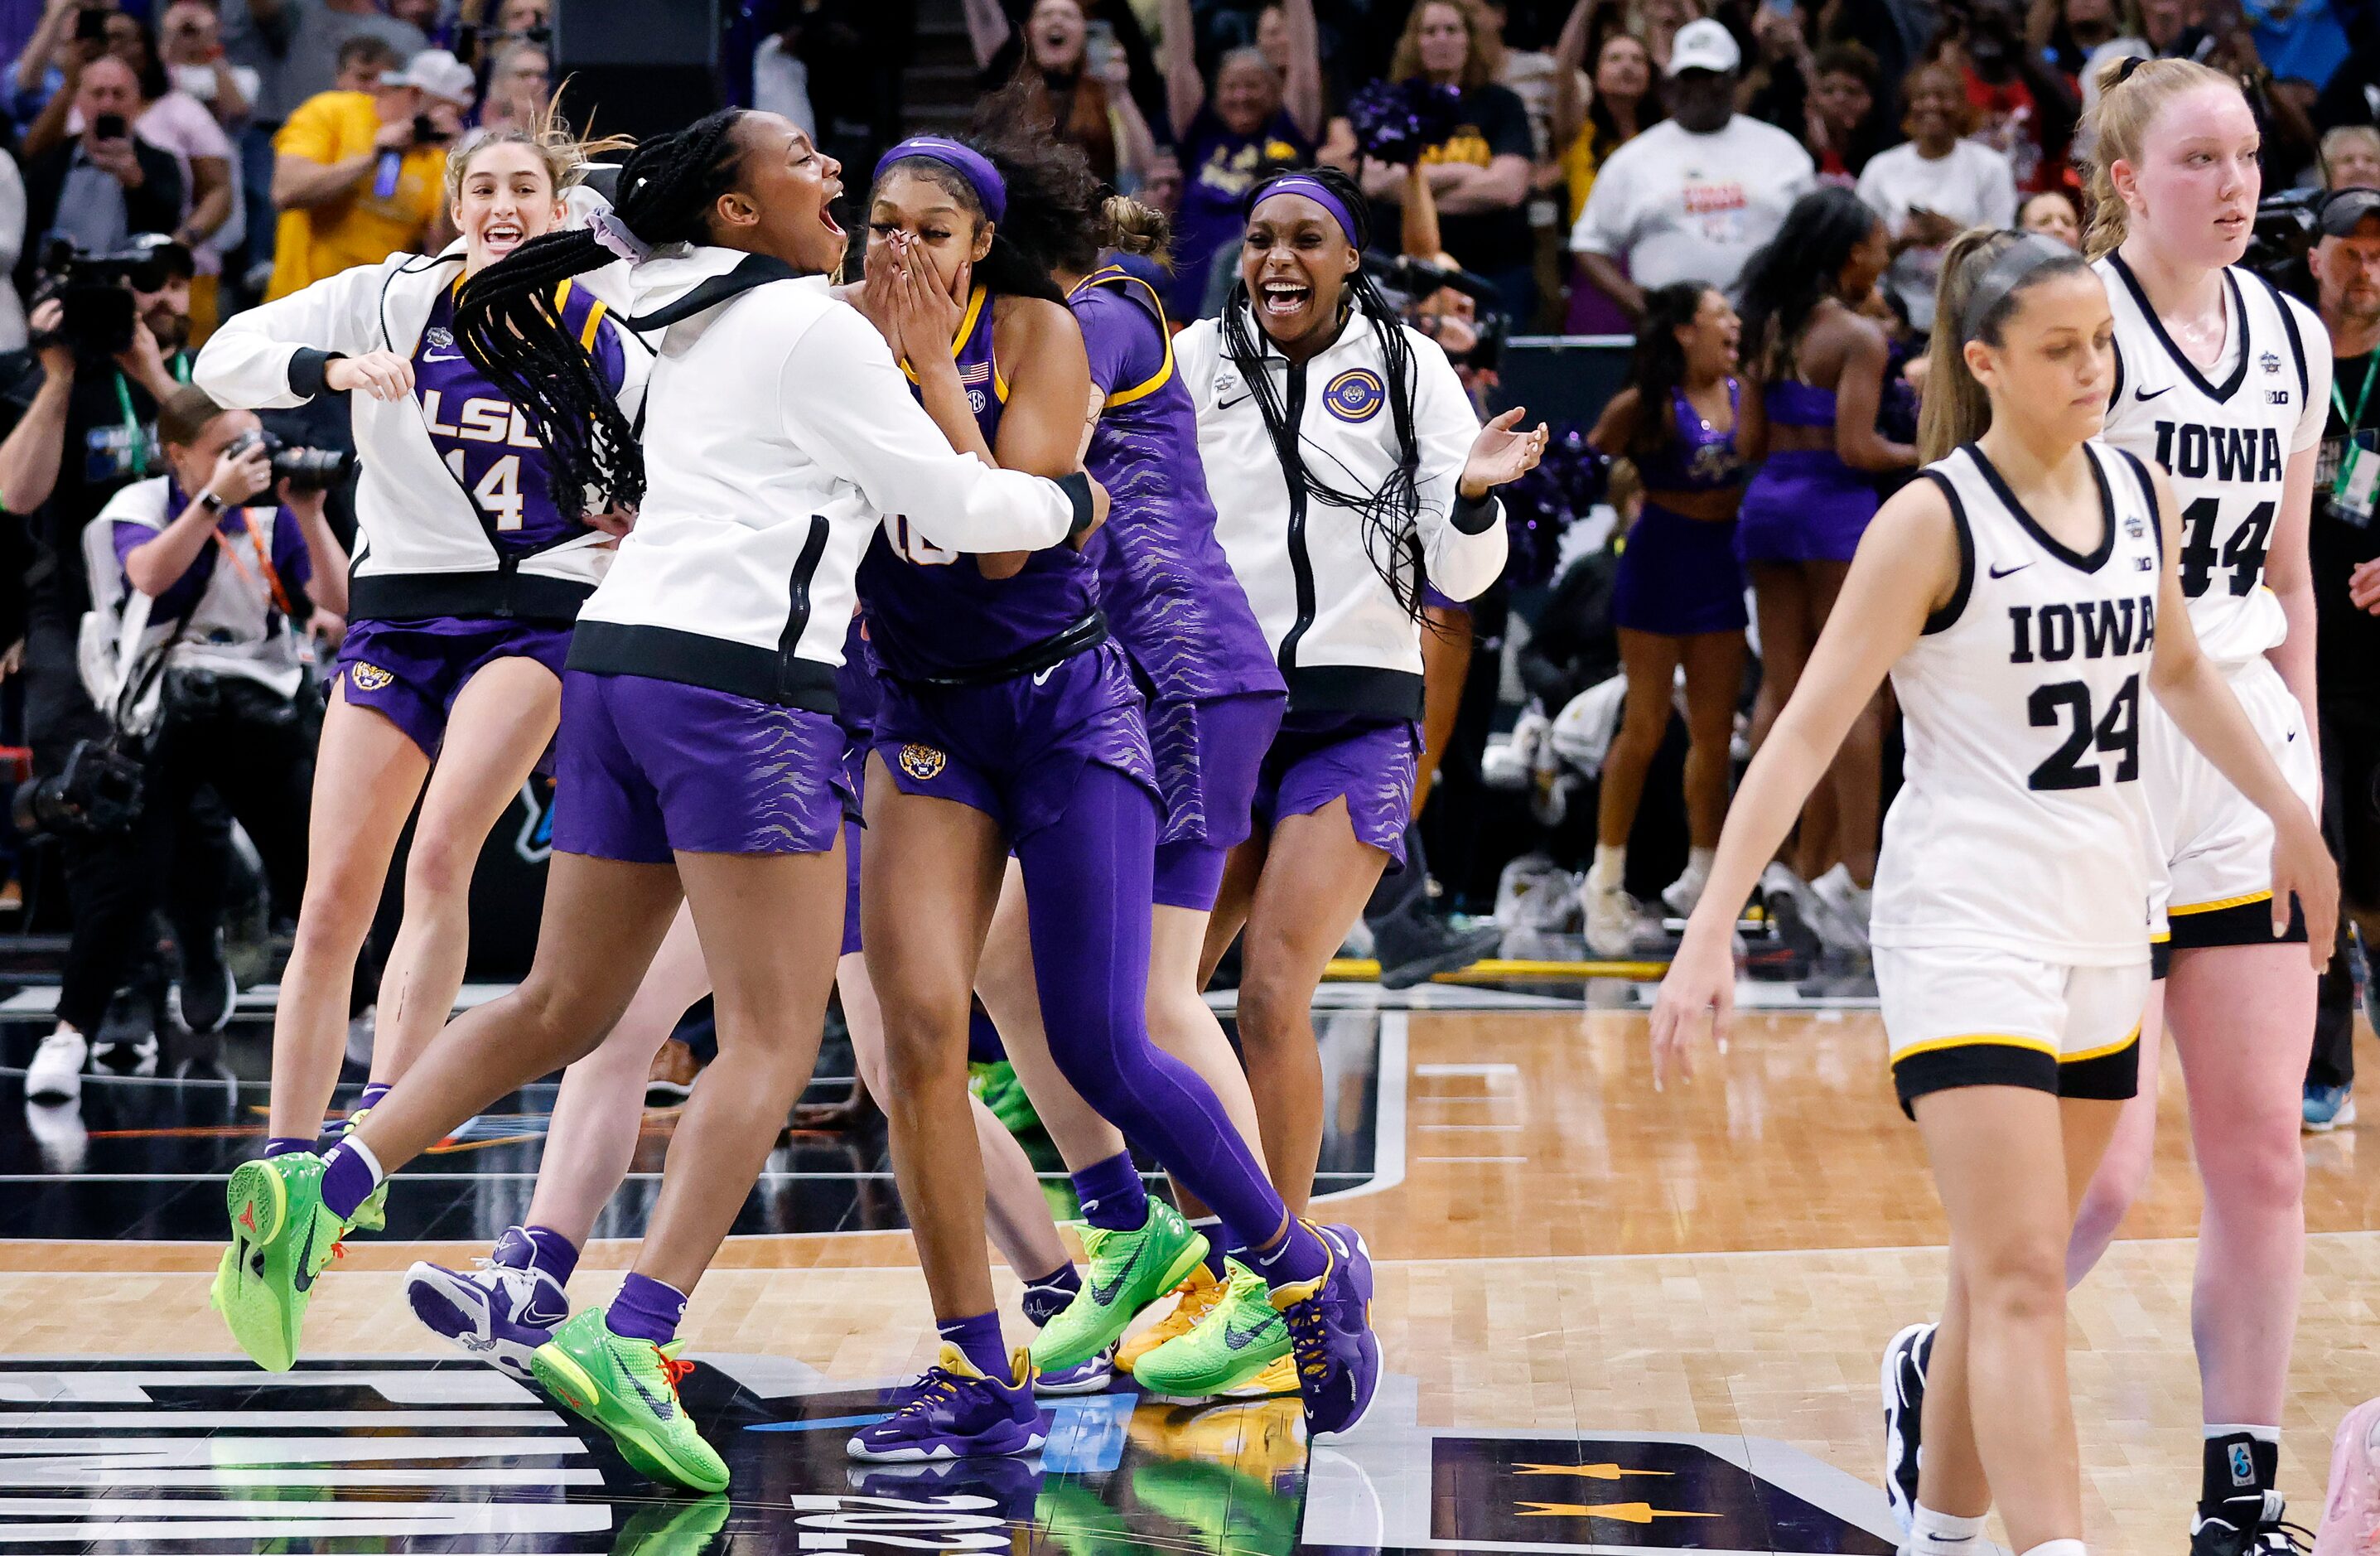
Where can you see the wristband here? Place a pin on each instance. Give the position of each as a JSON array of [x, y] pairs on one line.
[[1076, 485], [306, 368], [1473, 515], [209, 501]]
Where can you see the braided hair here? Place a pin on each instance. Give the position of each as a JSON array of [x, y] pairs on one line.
[[508, 323], [1389, 515], [1658, 367]]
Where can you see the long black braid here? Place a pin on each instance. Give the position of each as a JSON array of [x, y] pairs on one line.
[[1389, 515], [1658, 366], [508, 323]]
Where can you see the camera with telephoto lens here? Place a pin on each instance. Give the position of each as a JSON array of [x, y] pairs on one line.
[[305, 469], [427, 133], [97, 793], [94, 291], [1409, 281]]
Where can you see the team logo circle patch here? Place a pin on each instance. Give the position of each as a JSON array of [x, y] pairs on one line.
[[1355, 394], [922, 763], [368, 677]]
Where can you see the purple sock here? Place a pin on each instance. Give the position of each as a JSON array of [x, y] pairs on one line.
[[1048, 1297], [369, 1096], [979, 1340], [282, 1144], [1112, 1193], [1297, 1255], [349, 1174], [536, 1247], [646, 1309]]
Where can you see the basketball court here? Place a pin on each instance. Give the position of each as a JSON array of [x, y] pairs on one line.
[[1616, 1320]]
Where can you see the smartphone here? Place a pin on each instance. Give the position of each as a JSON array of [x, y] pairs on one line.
[[1099, 47], [91, 25], [109, 126]]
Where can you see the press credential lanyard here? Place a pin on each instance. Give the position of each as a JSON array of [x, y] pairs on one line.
[[2351, 491]]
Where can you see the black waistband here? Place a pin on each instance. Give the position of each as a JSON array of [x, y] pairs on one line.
[[511, 594], [665, 653], [1365, 691], [1087, 633]]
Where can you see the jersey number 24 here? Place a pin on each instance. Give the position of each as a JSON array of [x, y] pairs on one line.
[[2116, 732]]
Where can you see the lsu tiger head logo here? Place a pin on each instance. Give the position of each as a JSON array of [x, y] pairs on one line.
[[922, 763], [1355, 395], [368, 677]]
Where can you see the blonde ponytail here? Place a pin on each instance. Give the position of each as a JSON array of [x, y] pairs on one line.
[[2132, 91], [1955, 409]]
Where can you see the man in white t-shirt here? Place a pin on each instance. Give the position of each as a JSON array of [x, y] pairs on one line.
[[1691, 198]]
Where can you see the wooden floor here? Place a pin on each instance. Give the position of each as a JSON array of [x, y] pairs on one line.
[[1567, 1249]]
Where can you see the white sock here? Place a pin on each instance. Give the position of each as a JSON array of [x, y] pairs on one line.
[[2262, 1434], [1698, 861], [2059, 1548], [1610, 867], [1943, 1533]]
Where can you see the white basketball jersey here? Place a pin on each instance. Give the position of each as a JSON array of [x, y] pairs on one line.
[[2225, 441], [2022, 824]]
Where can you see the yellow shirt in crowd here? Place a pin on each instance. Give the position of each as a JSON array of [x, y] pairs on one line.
[[360, 228]]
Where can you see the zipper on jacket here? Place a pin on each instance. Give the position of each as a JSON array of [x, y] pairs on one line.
[[1301, 566], [797, 611]]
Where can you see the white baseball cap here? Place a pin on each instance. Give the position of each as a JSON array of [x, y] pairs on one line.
[[1704, 45], [440, 74]]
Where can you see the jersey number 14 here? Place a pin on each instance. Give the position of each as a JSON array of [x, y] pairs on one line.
[[498, 492], [2116, 732]]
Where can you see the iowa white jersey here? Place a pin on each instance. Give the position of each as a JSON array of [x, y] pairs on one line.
[[2022, 824], [2225, 439]]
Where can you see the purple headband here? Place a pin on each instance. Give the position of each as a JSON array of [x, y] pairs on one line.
[[969, 163], [1316, 190]]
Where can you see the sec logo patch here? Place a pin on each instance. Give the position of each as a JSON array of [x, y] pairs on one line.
[[1355, 395], [922, 763], [368, 677]]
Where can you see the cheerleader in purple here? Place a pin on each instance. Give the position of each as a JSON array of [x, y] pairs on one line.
[[1009, 719]]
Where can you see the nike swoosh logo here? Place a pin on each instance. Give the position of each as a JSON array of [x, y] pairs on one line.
[[1042, 677], [1103, 1295], [2145, 395], [1226, 405], [303, 1278], [2004, 572], [429, 357], [1240, 1339], [661, 1407]]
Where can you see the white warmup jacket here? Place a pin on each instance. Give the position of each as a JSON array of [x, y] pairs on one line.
[[1343, 641], [778, 434], [424, 548]]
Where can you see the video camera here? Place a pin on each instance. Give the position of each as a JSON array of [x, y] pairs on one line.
[[1414, 280], [2287, 226], [305, 469], [97, 793], [95, 290]]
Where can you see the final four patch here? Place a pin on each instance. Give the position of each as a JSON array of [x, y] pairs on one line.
[[922, 763], [1355, 394], [368, 677]]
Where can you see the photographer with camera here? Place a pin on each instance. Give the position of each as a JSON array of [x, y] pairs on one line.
[[197, 601], [81, 406], [98, 188], [358, 175]]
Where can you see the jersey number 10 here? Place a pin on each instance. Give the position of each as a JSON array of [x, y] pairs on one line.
[[2118, 732], [2242, 555]]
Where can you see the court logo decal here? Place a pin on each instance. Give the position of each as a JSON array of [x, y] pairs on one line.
[[922, 763], [368, 677], [1355, 395]]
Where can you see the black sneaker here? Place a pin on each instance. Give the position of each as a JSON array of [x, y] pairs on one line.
[[207, 990], [1905, 1361], [2248, 1525], [1416, 945], [126, 1042]]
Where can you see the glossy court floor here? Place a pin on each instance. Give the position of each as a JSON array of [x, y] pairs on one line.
[[1618, 1320]]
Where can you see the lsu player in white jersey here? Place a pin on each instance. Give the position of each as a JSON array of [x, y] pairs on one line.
[[2023, 596], [2223, 381]]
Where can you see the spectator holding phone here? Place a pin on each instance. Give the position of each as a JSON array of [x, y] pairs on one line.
[[71, 35], [98, 188], [1080, 71], [1933, 187], [359, 176]]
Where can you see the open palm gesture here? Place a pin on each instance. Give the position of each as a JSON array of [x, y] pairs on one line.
[[1500, 454]]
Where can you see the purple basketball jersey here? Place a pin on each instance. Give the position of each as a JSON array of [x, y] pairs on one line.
[[931, 614], [486, 444], [1168, 589]]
